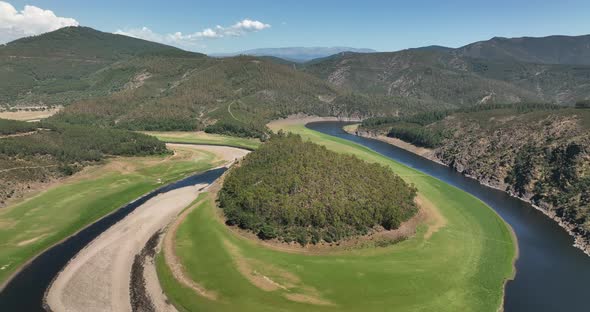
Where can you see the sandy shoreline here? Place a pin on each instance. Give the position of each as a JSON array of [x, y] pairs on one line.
[[98, 278]]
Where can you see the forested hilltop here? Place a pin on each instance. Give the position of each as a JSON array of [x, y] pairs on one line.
[[300, 191], [32, 153], [540, 153]]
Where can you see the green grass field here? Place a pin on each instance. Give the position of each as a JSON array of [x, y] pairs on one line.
[[31, 226], [205, 138], [461, 267]]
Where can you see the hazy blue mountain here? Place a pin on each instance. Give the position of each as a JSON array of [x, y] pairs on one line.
[[298, 54]]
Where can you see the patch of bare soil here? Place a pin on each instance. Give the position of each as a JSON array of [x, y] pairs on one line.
[[307, 299], [245, 267], [301, 119], [422, 151], [30, 113], [30, 241], [433, 217], [137, 81], [268, 277], [224, 153]]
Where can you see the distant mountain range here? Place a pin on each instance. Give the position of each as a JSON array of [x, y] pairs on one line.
[[565, 50], [554, 69], [107, 79], [297, 54]]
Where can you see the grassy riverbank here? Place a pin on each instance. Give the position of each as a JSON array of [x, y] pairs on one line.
[[460, 267], [34, 224], [195, 137]]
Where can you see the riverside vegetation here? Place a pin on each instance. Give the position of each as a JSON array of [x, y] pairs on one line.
[[540, 153], [296, 190]]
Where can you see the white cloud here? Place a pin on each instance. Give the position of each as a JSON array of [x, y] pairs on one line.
[[250, 25], [30, 21], [189, 41]]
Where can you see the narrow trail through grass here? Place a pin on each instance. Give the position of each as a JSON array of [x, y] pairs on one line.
[[199, 137]]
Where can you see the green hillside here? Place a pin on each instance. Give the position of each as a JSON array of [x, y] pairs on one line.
[[68, 64], [117, 81], [447, 80]]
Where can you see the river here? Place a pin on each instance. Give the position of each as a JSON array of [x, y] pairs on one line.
[[551, 274], [26, 290]]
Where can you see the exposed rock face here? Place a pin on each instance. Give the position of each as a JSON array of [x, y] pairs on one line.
[[545, 162], [543, 159]]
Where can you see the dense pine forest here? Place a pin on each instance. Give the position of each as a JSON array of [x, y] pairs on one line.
[[299, 191]]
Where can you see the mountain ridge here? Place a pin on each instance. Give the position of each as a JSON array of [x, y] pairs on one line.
[[297, 54], [554, 49], [112, 80]]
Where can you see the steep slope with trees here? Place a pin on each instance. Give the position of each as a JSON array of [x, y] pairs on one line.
[[536, 152], [66, 65], [571, 50], [449, 80]]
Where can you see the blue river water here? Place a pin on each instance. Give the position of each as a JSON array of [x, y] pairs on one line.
[[551, 274], [25, 292]]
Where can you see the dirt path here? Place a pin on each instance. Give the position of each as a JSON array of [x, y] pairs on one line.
[[17, 134], [229, 111], [98, 278], [28, 167]]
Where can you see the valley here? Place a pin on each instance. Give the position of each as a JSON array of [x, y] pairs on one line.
[[139, 175]]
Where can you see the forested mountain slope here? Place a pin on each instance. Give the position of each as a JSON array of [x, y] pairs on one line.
[[572, 50], [447, 79], [111, 80], [66, 65], [541, 154]]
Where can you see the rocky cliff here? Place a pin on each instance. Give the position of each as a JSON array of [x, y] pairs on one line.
[[542, 157]]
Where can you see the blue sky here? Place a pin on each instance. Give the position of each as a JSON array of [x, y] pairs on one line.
[[381, 25]]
